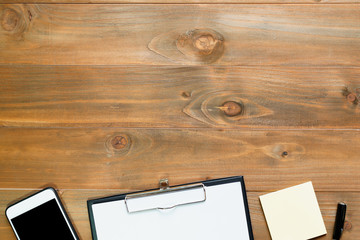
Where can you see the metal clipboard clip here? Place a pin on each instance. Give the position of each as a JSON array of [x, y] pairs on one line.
[[166, 197]]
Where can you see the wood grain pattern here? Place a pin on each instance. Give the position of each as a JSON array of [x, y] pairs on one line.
[[75, 202], [187, 1], [111, 96], [253, 35], [100, 99], [90, 159]]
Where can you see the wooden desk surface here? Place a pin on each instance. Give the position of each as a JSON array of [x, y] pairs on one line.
[[99, 99]]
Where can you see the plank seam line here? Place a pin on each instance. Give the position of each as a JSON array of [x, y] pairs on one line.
[[190, 3], [182, 128], [186, 66]]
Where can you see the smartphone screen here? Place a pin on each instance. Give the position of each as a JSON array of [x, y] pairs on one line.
[[40, 216], [43, 222]]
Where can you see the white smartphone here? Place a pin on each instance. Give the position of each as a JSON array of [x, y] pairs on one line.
[[41, 216]]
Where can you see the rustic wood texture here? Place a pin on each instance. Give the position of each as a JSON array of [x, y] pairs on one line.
[[100, 99], [246, 35], [109, 96], [75, 203], [118, 158], [185, 1]]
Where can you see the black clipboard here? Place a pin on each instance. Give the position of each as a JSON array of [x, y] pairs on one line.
[[164, 187]]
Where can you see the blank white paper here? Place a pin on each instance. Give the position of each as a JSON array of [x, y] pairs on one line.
[[221, 216]]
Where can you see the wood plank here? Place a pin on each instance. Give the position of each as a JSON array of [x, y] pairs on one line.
[[112, 96], [75, 202], [156, 34], [184, 1], [115, 158]]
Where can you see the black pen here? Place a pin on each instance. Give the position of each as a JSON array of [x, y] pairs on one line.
[[339, 220]]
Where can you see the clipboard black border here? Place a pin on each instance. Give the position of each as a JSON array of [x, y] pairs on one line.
[[211, 182]]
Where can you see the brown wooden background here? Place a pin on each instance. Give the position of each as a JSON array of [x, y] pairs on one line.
[[109, 96]]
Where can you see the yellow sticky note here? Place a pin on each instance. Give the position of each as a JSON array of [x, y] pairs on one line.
[[293, 213]]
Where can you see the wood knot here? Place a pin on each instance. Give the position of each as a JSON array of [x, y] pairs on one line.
[[119, 142], [186, 94], [10, 19], [284, 154], [164, 184], [201, 45], [231, 108], [352, 98], [205, 44], [347, 225], [30, 15], [284, 151]]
